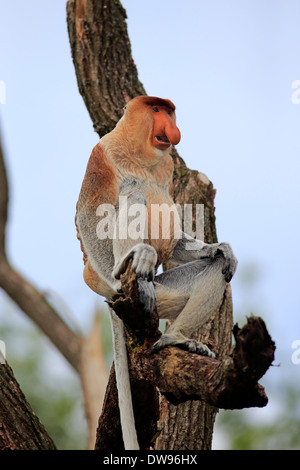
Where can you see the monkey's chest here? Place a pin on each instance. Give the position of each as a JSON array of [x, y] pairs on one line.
[[163, 222]]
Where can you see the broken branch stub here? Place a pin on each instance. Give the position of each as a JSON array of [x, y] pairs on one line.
[[230, 383]]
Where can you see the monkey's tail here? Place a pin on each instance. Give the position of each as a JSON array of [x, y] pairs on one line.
[[123, 384]]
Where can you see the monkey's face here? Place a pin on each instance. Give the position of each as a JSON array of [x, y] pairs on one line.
[[151, 126], [165, 132]]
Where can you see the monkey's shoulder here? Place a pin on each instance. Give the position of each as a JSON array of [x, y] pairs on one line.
[[100, 183]]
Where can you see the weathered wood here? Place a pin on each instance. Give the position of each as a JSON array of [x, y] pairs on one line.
[[141, 331], [106, 73], [107, 78], [229, 382], [20, 428], [4, 196], [38, 309]]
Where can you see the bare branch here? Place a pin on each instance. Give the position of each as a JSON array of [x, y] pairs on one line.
[[107, 78], [3, 202], [37, 308], [20, 428], [85, 355], [229, 382], [94, 376]]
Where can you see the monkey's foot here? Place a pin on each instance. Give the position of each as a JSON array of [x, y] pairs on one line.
[[190, 345]]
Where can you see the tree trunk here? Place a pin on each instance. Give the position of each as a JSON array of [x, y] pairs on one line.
[[107, 79], [189, 425], [20, 428]]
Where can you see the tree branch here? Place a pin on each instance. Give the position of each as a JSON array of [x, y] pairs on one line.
[[101, 51], [230, 382], [37, 308], [107, 78], [3, 202], [26, 296], [78, 351], [20, 428]]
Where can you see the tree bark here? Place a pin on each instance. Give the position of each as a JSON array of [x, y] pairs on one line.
[[229, 382], [78, 351], [20, 428], [107, 79], [190, 425], [106, 74]]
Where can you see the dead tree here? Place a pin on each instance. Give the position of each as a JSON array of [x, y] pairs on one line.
[[192, 388], [20, 428], [84, 354]]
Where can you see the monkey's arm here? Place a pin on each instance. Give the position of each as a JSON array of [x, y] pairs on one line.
[[99, 190], [131, 245], [190, 249]]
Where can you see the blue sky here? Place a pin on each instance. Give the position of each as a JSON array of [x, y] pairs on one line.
[[229, 68]]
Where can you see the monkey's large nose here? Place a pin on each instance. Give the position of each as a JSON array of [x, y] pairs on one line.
[[172, 132]]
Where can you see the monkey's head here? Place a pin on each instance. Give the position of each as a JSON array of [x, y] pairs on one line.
[[150, 126]]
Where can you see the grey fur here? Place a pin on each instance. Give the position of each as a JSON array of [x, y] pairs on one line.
[[198, 287], [187, 294], [147, 295], [100, 252]]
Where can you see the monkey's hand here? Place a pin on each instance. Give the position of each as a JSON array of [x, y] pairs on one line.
[[144, 258], [230, 261]]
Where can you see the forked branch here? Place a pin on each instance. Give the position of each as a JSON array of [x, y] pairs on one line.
[[230, 382], [78, 350]]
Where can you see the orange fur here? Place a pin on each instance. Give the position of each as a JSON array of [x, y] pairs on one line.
[[133, 150], [98, 186], [95, 283], [132, 160]]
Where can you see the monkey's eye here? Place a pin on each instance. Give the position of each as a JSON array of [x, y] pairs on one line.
[[156, 110], [125, 107], [169, 112]]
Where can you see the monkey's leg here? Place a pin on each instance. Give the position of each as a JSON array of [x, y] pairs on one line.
[[199, 288]]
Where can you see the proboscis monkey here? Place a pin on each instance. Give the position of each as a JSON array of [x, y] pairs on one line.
[[132, 164]]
